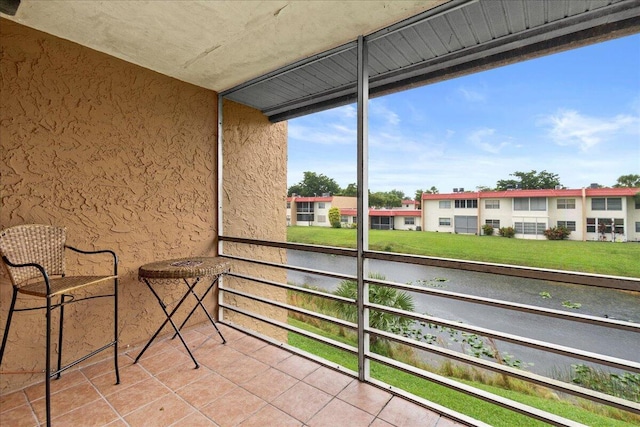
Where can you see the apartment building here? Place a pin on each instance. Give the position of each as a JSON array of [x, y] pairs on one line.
[[611, 214], [314, 211]]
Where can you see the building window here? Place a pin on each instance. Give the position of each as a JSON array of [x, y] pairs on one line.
[[495, 223], [381, 223], [637, 227], [566, 203], [288, 205], [444, 204], [322, 218], [569, 225], [409, 220], [344, 218], [604, 225], [606, 204], [637, 202], [530, 204], [354, 219], [530, 227], [320, 205], [445, 222], [466, 204], [492, 204], [304, 211]]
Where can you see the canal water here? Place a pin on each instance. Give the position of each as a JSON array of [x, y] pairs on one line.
[[602, 302]]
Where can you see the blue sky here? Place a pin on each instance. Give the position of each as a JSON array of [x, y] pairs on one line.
[[575, 113]]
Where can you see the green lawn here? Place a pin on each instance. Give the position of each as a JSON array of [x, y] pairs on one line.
[[618, 259], [476, 408]]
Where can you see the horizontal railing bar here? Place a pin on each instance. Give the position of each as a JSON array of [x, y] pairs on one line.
[[549, 312], [574, 277], [294, 288], [589, 279], [331, 250], [515, 372], [319, 338], [515, 339], [291, 267], [293, 308], [477, 393], [575, 317]]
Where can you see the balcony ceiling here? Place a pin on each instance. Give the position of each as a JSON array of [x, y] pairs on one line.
[[289, 58]]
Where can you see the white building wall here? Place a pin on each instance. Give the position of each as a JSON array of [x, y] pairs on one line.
[[399, 223]]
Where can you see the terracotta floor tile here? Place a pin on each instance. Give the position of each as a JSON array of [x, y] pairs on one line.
[[18, 416], [129, 375], [230, 334], [67, 380], [206, 390], [139, 394], [242, 370], [195, 420], [404, 413], [165, 360], [233, 408], [181, 375], [302, 401], [380, 423], [270, 416], [117, 423], [296, 366], [365, 396], [217, 357], [103, 367], [162, 412], [94, 414], [446, 422], [66, 400], [12, 400], [270, 384], [338, 412], [247, 345], [193, 337], [328, 380], [159, 345], [271, 354]]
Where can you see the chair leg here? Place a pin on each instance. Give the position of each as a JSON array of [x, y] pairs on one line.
[[48, 364], [60, 335], [5, 336], [115, 329]]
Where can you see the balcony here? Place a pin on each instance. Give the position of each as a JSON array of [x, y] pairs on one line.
[[246, 382]]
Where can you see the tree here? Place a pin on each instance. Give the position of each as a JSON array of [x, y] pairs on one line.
[[628, 181], [533, 180], [334, 217], [314, 185], [386, 199], [350, 191], [419, 193]]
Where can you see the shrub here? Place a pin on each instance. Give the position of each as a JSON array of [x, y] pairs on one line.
[[334, 217], [557, 233], [487, 230], [507, 232]]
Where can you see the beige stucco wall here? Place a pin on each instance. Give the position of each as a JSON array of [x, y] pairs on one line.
[[125, 158], [254, 201]]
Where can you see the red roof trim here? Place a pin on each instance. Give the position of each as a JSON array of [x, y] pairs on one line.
[[382, 212], [590, 192]]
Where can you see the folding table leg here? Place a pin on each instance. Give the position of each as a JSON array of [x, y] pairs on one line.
[[168, 319], [200, 299]]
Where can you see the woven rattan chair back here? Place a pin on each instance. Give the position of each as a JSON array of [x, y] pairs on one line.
[[33, 243]]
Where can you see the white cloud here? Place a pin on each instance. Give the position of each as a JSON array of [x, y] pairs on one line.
[[471, 95], [569, 127], [485, 139]]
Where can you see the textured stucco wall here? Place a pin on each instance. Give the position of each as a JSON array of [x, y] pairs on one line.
[[125, 158], [254, 206]]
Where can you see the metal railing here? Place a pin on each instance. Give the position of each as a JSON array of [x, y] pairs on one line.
[[620, 283]]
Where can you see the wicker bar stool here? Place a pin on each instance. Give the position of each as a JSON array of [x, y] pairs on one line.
[[34, 256]]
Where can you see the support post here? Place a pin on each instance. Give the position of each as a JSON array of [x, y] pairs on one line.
[[363, 209]]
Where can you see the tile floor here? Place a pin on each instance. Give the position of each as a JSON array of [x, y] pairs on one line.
[[246, 382]]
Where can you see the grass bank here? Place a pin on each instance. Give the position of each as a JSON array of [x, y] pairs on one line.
[[476, 408], [618, 259]]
